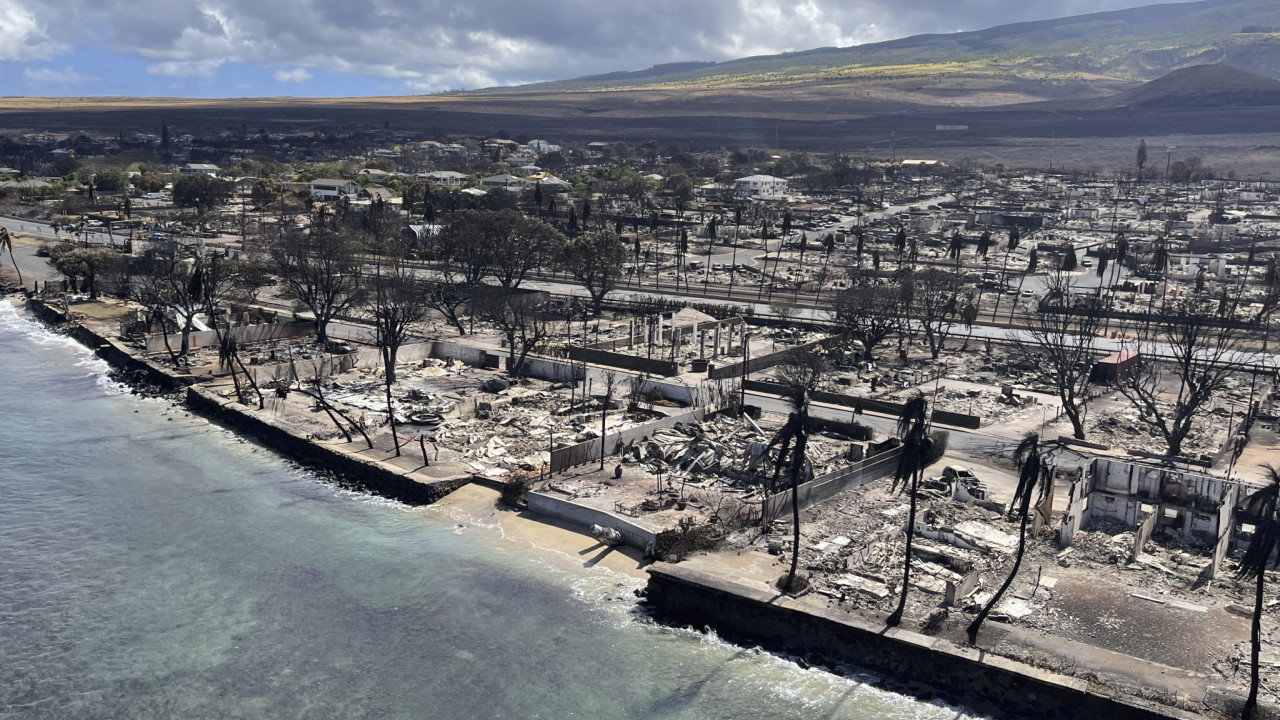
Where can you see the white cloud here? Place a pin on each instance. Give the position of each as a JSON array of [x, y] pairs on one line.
[[296, 75], [186, 68], [22, 37], [54, 76]]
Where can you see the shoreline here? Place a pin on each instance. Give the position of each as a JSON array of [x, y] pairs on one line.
[[676, 595]]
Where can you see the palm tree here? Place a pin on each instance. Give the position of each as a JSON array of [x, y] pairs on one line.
[[916, 444], [1033, 479], [1261, 507], [802, 378], [6, 243]]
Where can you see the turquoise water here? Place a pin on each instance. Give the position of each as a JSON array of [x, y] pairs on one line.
[[155, 566]]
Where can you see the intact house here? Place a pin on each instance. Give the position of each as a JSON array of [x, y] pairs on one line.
[[760, 186], [198, 169], [445, 178], [330, 189], [505, 181]]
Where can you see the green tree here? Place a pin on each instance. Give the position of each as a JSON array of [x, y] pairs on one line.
[[1142, 157], [111, 180], [201, 192], [596, 259]]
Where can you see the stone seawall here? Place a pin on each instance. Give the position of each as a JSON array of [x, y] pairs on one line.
[[371, 475], [908, 662]]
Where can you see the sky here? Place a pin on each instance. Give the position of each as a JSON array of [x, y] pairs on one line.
[[348, 48]]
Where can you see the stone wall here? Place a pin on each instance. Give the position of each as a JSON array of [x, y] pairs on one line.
[[371, 475], [922, 666]]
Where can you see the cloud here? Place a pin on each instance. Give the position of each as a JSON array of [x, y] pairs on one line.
[[186, 68], [438, 44], [296, 75], [22, 37], [54, 76]]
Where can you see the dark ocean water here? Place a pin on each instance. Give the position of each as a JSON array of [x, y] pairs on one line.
[[155, 566]]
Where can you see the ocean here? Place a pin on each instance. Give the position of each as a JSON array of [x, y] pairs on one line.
[[153, 565]]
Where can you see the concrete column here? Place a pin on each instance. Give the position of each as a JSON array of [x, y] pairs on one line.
[[715, 352], [659, 338], [702, 344]]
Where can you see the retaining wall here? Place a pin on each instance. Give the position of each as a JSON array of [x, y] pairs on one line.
[[377, 477], [636, 534], [925, 667]]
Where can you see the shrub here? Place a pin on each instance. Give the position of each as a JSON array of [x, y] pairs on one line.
[[515, 491], [938, 447]]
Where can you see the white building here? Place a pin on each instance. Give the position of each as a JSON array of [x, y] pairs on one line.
[[447, 178], [198, 169], [330, 189], [760, 186]]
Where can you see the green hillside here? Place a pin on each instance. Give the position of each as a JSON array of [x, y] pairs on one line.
[[1132, 45]]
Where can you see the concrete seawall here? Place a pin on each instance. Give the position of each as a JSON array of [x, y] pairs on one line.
[[908, 662]]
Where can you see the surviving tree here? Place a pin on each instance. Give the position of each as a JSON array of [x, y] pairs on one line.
[[596, 260]]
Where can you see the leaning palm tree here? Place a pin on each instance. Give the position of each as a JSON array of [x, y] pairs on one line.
[[1261, 507], [1033, 479], [913, 429], [6, 243]]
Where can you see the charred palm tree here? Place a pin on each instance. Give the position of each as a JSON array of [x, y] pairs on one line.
[[913, 429], [1033, 479], [802, 379], [1261, 507], [6, 244]]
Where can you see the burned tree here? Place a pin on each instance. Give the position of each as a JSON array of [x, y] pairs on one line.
[[1033, 479], [913, 429], [522, 318], [1058, 345], [801, 378], [396, 303], [1201, 352], [1261, 508], [932, 301], [321, 271]]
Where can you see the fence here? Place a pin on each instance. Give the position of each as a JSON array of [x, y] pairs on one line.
[[588, 451], [954, 419], [831, 484]]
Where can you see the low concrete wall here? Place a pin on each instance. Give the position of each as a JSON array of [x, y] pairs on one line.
[[623, 361], [636, 534], [244, 335], [944, 417], [922, 666]]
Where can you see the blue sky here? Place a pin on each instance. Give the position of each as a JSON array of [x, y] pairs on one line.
[[344, 48]]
